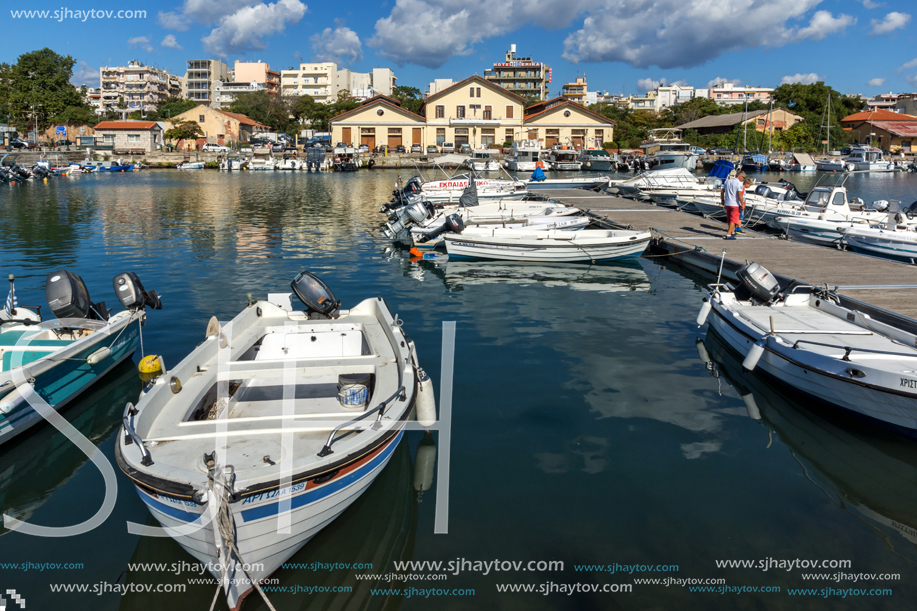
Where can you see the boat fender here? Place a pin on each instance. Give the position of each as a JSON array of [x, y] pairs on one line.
[[751, 407], [424, 464], [753, 356], [150, 364], [11, 401], [98, 356], [704, 312], [426, 402]]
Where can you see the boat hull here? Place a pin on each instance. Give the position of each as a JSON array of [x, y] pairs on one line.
[[869, 401], [884, 246], [474, 247]]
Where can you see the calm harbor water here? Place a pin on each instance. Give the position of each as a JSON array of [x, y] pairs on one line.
[[586, 428]]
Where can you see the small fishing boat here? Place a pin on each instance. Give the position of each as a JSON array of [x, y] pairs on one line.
[[47, 364], [896, 242], [814, 230], [587, 245], [526, 153], [664, 149], [802, 162], [450, 189], [804, 338], [865, 158], [233, 163], [273, 426], [429, 237], [831, 164], [290, 160], [755, 163], [562, 159], [262, 163], [482, 161], [189, 165], [346, 159], [598, 160]]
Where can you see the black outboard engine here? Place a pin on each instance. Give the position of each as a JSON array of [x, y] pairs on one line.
[[452, 224], [40, 171], [315, 295], [21, 172], [760, 282], [68, 297], [131, 293]]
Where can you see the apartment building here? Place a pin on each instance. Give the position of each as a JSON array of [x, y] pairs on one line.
[[438, 85], [576, 91], [138, 86], [202, 77], [93, 97], [730, 93], [323, 81], [521, 75], [226, 93], [256, 72]]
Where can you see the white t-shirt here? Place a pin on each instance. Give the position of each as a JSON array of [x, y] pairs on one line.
[[732, 188]]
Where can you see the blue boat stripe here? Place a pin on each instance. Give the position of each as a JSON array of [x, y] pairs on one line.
[[169, 510], [316, 494]]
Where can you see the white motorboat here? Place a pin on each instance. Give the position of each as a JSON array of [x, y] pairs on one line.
[[428, 237], [562, 159], [50, 363], [815, 231], [451, 189], [589, 182], [526, 153], [290, 160], [896, 242], [802, 162], [831, 164], [824, 202], [664, 149], [271, 428], [190, 165], [262, 163], [346, 159], [805, 339], [482, 161], [598, 160], [587, 245], [233, 163], [864, 158], [665, 179]]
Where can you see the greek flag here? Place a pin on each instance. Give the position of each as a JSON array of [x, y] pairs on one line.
[[11, 301]]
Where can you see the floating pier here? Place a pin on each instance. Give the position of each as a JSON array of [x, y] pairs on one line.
[[884, 289]]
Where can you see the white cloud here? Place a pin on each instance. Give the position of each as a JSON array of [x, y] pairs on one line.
[[805, 79], [245, 29], [875, 82], [891, 22], [173, 21], [429, 32], [912, 79], [648, 84], [339, 44], [909, 65], [140, 41], [169, 42], [85, 75], [680, 34], [211, 11], [871, 4]]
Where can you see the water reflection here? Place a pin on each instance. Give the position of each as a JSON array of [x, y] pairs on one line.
[[859, 467], [39, 462], [378, 529]]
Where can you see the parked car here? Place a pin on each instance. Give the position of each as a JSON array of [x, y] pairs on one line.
[[416, 148], [277, 147], [19, 144], [698, 150], [720, 151], [465, 149], [432, 149], [400, 149], [448, 147], [213, 147]]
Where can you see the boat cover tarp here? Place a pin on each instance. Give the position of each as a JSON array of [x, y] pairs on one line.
[[721, 169], [451, 160], [755, 159], [803, 159], [538, 175], [469, 196]]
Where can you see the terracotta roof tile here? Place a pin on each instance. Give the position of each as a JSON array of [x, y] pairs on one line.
[[125, 125]]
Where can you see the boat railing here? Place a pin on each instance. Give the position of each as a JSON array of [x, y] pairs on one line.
[[848, 349], [132, 437], [379, 409]]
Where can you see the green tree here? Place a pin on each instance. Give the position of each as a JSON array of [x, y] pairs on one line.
[[38, 88], [186, 130], [265, 108], [411, 98], [5, 86], [811, 102], [171, 107], [76, 115]]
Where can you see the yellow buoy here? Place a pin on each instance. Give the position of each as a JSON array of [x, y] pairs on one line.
[[150, 364]]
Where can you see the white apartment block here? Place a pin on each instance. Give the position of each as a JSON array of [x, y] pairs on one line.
[[323, 81], [140, 87], [201, 79], [438, 85], [226, 93], [729, 93]]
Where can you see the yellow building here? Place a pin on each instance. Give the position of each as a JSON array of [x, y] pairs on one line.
[[379, 120], [474, 111], [218, 125], [563, 122]]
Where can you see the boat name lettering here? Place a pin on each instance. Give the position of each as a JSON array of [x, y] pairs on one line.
[[127, 337], [174, 501], [273, 494], [907, 383]]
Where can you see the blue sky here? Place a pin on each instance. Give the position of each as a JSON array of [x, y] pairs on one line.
[[623, 46]]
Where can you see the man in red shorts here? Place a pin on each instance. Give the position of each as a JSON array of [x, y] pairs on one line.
[[732, 197]]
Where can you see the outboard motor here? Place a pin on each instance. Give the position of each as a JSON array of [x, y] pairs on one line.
[[452, 224], [760, 282], [315, 295], [880, 205], [21, 172], [68, 297], [131, 293], [415, 210]]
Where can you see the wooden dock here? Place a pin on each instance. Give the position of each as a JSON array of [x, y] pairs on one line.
[[695, 241]]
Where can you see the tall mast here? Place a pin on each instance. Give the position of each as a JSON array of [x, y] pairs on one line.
[[770, 119], [745, 126]]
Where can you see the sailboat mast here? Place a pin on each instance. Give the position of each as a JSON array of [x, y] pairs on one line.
[[745, 126], [829, 123], [770, 119]]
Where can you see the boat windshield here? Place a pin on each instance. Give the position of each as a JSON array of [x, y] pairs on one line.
[[819, 197], [599, 153]]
